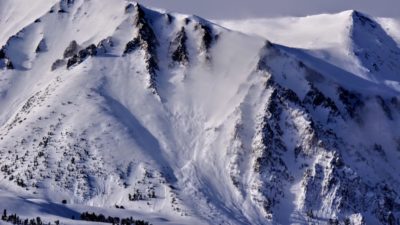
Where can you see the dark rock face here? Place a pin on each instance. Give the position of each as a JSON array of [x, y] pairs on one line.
[[179, 49], [64, 5], [83, 54], [207, 36], [351, 101], [9, 65], [385, 107], [57, 64], [72, 61], [269, 163], [73, 55], [187, 21], [131, 46], [2, 53], [105, 45], [71, 50], [140, 15], [129, 8], [146, 38], [169, 18], [146, 35], [147, 41], [4, 60], [41, 46], [315, 98], [363, 20], [91, 50]]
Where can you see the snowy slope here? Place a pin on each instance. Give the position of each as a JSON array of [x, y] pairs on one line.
[[391, 26], [350, 40], [183, 121]]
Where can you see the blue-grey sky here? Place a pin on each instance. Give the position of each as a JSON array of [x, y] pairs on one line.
[[228, 9]]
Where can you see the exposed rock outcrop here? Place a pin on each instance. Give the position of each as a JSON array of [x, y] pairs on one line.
[[5, 62], [207, 37], [105, 45], [74, 55], [145, 40], [178, 49], [83, 54], [65, 5], [41, 46], [71, 49], [57, 64]]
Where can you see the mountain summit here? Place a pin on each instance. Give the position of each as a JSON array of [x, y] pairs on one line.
[[178, 120]]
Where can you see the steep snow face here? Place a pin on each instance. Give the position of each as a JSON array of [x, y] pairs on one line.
[[377, 52], [108, 103], [298, 32], [324, 36], [15, 15], [392, 27], [350, 40]]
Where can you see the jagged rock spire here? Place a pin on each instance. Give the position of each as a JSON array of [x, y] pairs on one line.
[[207, 36], [147, 41], [179, 49]]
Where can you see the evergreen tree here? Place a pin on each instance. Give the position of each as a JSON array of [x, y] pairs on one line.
[[4, 216]]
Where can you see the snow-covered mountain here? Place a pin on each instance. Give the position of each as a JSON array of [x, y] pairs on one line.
[[107, 103]]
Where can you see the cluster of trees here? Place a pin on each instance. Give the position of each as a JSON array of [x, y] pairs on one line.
[[138, 196], [86, 216], [113, 220], [15, 219]]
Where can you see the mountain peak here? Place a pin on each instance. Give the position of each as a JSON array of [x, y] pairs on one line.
[[376, 51], [362, 18], [176, 120]]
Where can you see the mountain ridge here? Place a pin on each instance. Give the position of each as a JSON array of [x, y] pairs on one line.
[[172, 115]]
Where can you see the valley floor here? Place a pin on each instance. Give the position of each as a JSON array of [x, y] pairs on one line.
[[28, 207]]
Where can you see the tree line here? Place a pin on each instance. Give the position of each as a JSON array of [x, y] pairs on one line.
[[86, 216]]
